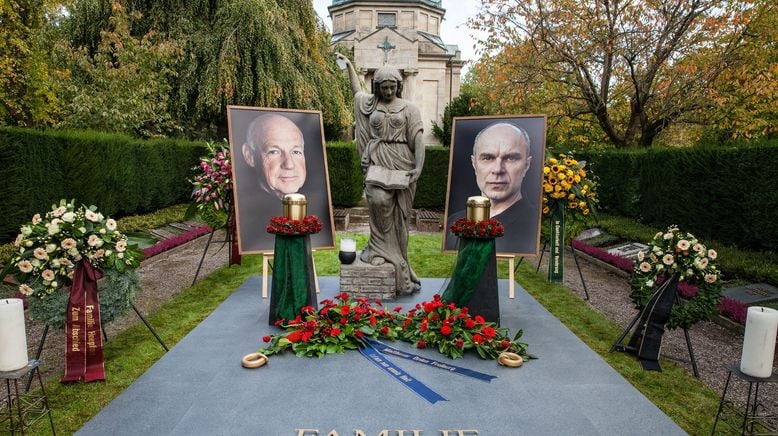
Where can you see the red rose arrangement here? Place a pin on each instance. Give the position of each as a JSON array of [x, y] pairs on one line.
[[281, 225], [344, 323], [490, 228]]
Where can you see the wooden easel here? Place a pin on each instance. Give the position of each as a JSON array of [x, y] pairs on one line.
[[511, 273]]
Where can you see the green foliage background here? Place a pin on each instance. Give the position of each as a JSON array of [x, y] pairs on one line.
[[345, 173], [728, 194], [432, 185], [119, 174]]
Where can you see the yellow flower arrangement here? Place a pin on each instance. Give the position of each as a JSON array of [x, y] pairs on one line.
[[567, 185]]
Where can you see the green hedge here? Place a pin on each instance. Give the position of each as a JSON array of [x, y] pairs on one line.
[[729, 194], [431, 189], [119, 174], [345, 173]]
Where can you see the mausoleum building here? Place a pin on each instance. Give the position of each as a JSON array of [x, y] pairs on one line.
[[404, 34]]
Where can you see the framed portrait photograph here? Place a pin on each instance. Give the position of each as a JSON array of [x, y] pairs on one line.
[[501, 158], [277, 152]]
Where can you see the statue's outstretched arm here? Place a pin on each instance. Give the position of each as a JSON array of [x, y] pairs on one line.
[[352, 74]]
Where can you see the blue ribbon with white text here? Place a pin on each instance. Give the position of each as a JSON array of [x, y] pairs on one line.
[[398, 374], [386, 349]]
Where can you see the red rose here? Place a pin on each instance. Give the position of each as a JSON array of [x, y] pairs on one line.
[[460, 343], [477, 338], [469, 323], [385, 330], [345, 310], [359, 333], [423, 327], [479, 319], [335, 332], [489, 332], [343, 321], [373, 320], [307, 309], [307, 335], [446, 330], [266, 338], [295, 336], [421, 344], [398, 308], [506, 343]]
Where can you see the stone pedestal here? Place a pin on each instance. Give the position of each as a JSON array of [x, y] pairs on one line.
[[361, 279]]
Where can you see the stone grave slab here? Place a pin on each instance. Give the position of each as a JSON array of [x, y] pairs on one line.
[[361, 279], [628, 251], [589, 234], [752, 293]]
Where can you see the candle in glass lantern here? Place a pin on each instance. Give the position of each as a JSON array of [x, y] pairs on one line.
[[13, 338], [759, 342], [478, 208], [295, 206]]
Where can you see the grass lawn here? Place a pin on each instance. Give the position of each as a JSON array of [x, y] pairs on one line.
[[686, 400]]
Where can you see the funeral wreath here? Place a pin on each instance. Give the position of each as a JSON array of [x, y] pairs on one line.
[[49, 247], [678, 253]]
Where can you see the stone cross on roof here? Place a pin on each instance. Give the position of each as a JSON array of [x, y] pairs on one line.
[[386, 46]]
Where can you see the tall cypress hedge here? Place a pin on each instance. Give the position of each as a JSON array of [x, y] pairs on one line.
[[728, 194], [119, 174], [345, 173], [431, 188]]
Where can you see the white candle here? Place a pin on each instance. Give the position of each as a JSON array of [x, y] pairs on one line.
[[13, 339], [759, 342], [348, 245]]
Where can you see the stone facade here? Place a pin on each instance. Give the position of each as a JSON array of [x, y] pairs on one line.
[[404, 34]]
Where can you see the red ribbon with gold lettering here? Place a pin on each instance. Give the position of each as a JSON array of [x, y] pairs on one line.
[[83, 339]]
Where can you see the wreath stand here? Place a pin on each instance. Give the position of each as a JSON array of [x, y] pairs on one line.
[[233, 256], [575, 258], [39, 351], [619, 346]]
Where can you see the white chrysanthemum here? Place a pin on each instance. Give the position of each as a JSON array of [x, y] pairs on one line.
[[53, 229], [668, 259], [40, 253], [69, 217], [50, 248], [121, 246], [27, 244], [47, 275], [93, 240], [108, 252], [25, 290], [25, 266], [91, 216], [712, 254], [683, 244], [36, 219], [68, 243], [649, 283], [645, 267], [55, 263], [110, 224], [73, 252], [667, 236], [36, 263], [26, 230], [641, 256]]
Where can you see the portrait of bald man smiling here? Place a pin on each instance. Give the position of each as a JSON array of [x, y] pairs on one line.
[[498, 159], [277, 152]]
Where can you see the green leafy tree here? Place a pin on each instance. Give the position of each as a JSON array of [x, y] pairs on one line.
[[633, 67], [464, 105], [26, 95], [118, 82]]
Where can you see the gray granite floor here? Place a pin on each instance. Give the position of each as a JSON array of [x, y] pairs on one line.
[[200, 388]]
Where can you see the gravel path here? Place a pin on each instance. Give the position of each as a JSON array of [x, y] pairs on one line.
[[166, 274]]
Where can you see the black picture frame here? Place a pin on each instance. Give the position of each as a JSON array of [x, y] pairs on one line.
[[520, 239], [254, 205]]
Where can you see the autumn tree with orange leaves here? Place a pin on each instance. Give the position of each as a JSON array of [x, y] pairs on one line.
[[632, 67]]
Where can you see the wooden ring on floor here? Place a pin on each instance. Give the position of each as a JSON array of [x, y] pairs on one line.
[[511, 360], [254, 360]]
